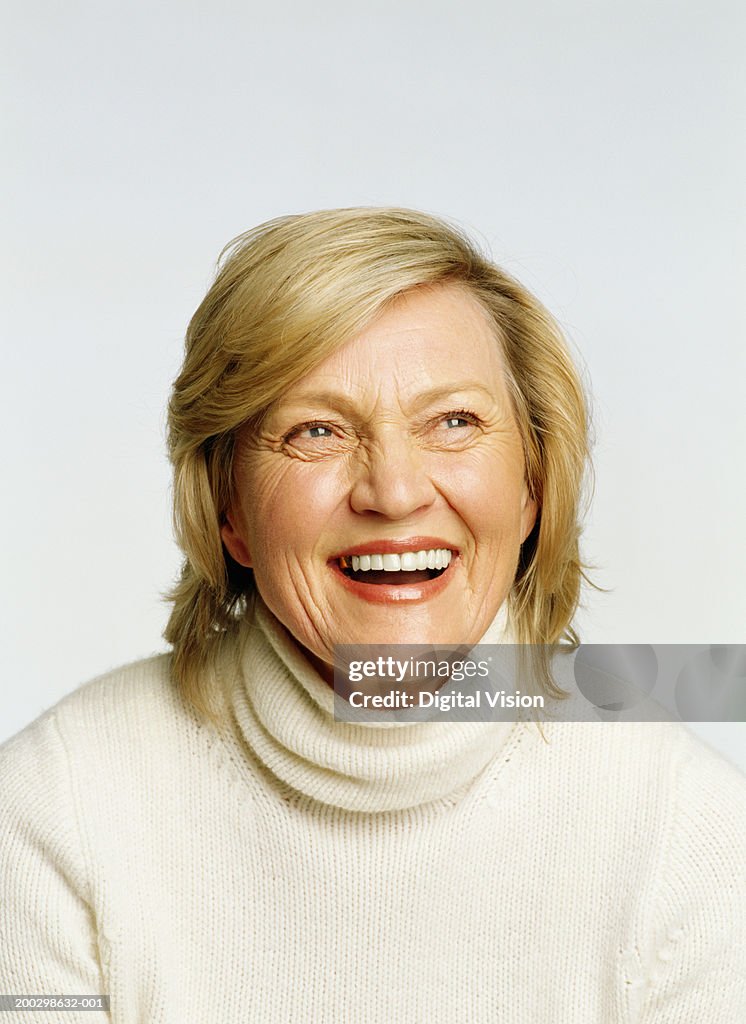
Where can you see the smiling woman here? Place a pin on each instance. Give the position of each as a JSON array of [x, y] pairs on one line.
[[421, 400], [378, 437]]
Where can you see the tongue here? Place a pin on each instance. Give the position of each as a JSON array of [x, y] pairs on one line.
[[381, 576]]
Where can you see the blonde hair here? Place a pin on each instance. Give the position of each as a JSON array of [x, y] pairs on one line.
[[287, 294]]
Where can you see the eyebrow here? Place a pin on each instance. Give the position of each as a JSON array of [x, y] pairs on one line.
[[344, 404]]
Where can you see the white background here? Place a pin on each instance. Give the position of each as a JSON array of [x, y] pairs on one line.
[[596, 147]]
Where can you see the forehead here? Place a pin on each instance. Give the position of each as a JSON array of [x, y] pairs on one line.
[[427, 336]]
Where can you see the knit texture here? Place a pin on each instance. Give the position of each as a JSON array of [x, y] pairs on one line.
[[290, 868]]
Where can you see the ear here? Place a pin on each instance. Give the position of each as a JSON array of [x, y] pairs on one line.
[[529, 512], [234, 542]]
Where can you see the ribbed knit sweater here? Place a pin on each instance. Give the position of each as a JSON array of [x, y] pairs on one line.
[[291, 868]]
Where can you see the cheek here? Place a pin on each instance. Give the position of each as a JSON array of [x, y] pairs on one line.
[[486, 490], [290, 506]]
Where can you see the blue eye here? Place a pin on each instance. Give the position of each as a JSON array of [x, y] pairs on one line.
[[310, 432], [456, 421]]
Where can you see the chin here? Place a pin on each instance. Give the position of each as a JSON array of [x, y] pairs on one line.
[[411, 629]]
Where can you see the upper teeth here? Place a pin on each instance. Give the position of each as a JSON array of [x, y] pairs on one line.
[[408, 561]]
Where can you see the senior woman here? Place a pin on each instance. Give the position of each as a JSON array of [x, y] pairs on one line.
[[377, 437]]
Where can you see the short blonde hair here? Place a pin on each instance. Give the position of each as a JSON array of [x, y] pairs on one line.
[[287, 294]]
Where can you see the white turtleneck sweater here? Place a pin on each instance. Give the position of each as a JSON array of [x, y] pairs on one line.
[[297, 869]]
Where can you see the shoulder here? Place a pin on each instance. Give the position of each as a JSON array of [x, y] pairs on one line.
[[687, 943], [139, 687], [707, 808], [120, 686], [71, 785], [650, 779], [665, 816], [97, 731], [707, 836], [638, 748], [86, 787]]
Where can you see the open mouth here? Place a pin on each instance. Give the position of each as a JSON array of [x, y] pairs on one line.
[[396, 569]]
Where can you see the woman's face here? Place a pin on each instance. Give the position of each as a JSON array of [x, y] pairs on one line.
[[401, 442]]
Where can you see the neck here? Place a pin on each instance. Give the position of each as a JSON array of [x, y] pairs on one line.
[[284, 709]]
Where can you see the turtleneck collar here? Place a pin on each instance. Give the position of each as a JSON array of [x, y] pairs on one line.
[[285, 712]]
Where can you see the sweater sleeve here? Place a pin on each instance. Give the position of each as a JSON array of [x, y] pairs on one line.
[[691, 944], [48, 937]]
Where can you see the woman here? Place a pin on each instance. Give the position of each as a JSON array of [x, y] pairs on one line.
[[196, 835]]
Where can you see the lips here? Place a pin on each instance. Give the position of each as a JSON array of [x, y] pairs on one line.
[[412, 568]]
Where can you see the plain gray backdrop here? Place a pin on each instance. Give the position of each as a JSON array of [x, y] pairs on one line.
[[596, 148]]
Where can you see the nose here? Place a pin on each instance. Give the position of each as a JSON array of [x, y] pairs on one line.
[[390, 477]]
